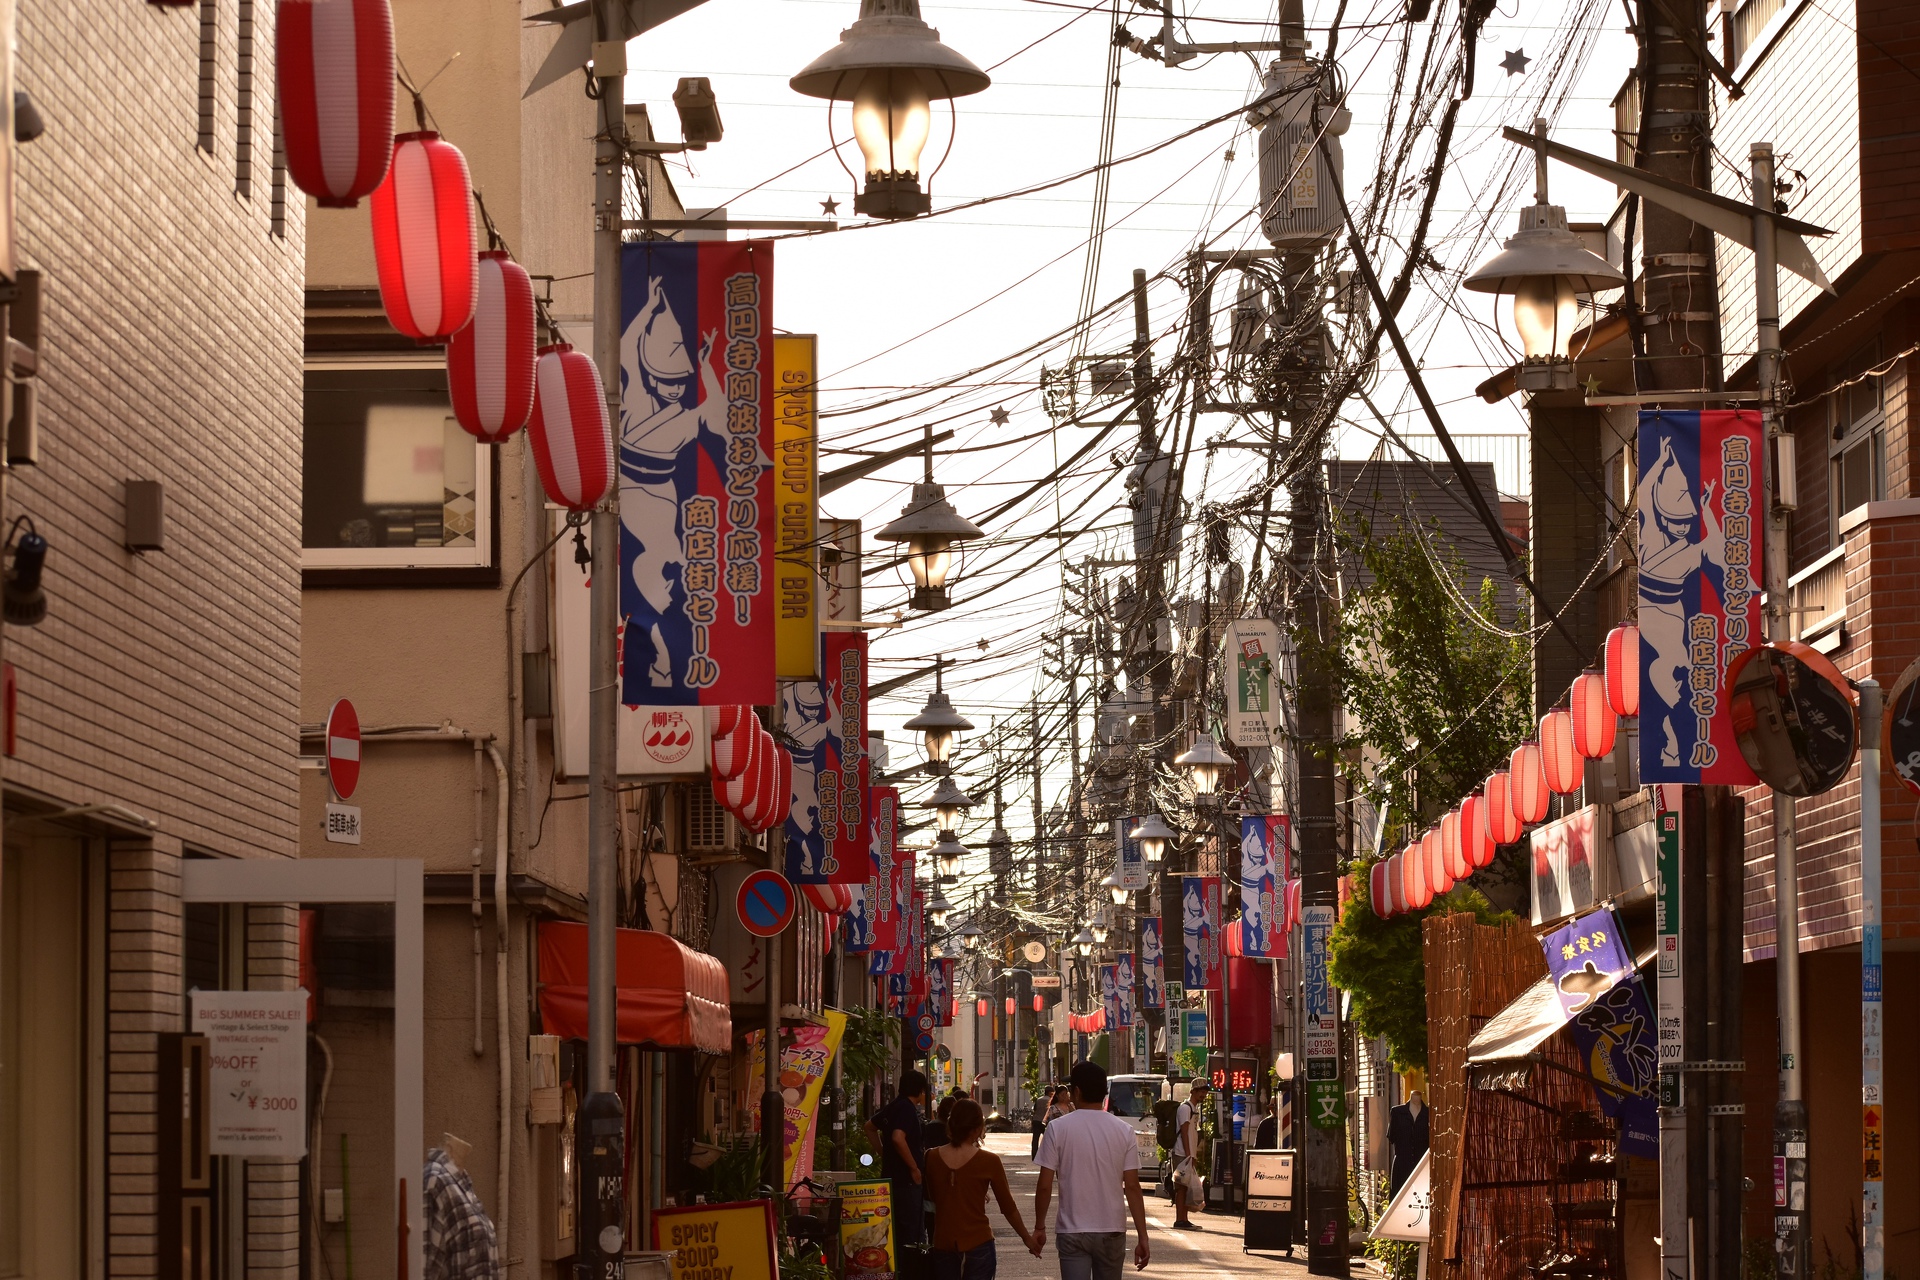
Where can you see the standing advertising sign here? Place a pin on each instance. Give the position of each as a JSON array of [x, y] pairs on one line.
[[1264, 840], [1270, 1197], [1701, 512], [866, 1229], [1153, 992], [697, 503], [707, 1240], [796, 461], [257, 1071], [1612, 1025], [1200, 931], [1249, 650], [1326, 1104], [805, 1054]]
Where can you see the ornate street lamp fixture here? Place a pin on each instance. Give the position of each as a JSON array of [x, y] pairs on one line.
[[1112, 884], [931, 528], [938, 725], [949, 804], [970, 937], [1205, 764], [1100, 927], [947, 851], [1545, 267], [891, 65], [1083, 942], [938, 909]]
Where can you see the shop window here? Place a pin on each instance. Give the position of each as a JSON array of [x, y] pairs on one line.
[[389, 479], [1856, 413]]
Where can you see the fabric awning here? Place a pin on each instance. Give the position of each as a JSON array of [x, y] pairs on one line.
[[1527, 1023], [670, 996]]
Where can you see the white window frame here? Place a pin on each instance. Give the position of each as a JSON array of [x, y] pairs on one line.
[[478, 556], [1868, 432]]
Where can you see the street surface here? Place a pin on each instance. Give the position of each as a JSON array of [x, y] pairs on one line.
[[1177, 1255]]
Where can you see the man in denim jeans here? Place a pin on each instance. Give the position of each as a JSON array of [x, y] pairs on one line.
[[1093, 1154]]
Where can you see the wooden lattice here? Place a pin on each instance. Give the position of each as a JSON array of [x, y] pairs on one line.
[[1473, 972]]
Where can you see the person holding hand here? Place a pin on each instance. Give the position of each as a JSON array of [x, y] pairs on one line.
[[958, 1177], [1093, 1154]]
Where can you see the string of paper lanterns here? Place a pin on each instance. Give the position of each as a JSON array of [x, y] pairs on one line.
[[752, 774], [1517, 797]]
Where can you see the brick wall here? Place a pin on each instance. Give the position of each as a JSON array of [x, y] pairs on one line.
[[1889, 50], [171, 326]]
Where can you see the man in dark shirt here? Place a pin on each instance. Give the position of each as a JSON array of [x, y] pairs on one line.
[[894, 1131]]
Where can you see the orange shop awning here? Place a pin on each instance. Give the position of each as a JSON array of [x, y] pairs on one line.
[[671, 996]]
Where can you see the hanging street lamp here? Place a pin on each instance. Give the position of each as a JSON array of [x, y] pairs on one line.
[[970, 936], [1205, 764], [931, 528], [949, 804], [1154, 836], [1545, 267], [891, 65], [938, 909], [947, 852], [1113, 885], [1083, 942], [1101, 928], [938, 725]]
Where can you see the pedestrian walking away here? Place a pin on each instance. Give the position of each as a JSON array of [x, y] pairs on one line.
[[959, 1175], [1057, 1105], [1093, 1155], [894, 1131], [1188, 1190]]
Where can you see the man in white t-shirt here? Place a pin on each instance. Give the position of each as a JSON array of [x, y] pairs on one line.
[[1094, 1155], [1186, 1123]]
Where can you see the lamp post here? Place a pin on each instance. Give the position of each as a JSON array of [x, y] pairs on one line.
[[1117, 888], [1205, 764], [1154, 836], [892, 67], [938, 725], [1545, 267], [931, 528]]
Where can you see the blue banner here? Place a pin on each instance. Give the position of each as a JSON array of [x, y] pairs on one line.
[[859, 925], [1123, 985], [1200, 931], [1153, 959], [1612, 1024], [1264, 840]]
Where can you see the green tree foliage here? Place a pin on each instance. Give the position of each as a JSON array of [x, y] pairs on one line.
[[1379, 963], [1436, 697], [869, 1045]]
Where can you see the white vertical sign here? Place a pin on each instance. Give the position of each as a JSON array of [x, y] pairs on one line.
[[257, 1075]]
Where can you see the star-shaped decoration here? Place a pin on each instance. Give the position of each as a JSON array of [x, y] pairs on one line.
[[1515, 63], [1592, 384], [830, 207], [999, 417]]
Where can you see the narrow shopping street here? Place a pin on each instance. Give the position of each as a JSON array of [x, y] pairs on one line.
[[1177, 1255]]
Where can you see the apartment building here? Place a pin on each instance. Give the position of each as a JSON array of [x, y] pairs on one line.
[[150, 718]]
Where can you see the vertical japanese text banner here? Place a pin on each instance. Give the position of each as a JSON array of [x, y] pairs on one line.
[[1200, 931], [1702, 515], [1263, 871], [883, 869], [1123, 985], [1110, 996], [1249, 650], [1153, 958], [845, 771], [1131, 865], [796, 461], [697, 590]]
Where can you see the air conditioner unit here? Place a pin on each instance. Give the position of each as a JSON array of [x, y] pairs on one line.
[[710, 828]]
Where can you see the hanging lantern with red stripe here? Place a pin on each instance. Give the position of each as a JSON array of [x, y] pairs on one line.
[[1410, 876], [333, 66], [1476, 840], [1527, 786], [1294, 887], [1377, 890], [980, 1007], [572, 446], [490, 362], [1623, 670], [423, 239], [731, 753], [1422, 887], [1230, 940], [1593, 720], [1557, 753], [1453, 847], [1502, 824], [1396, 886], [1439, 879], [830, 900], [1039, 1004], [1010, 1006]]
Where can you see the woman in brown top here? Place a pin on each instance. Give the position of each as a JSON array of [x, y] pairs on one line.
[[958, 1176]]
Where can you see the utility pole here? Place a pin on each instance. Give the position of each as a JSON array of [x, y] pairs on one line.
[[602, 1123]]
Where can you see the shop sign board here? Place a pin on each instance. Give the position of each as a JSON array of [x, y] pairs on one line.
[[866, 1229], [1249, 652], [1566, 864], [1611, 1023], [718, 1241], [1410, 1214], [795, 484], [1132, 863], [257, 1071], [1322, 1030], [1269, 1219], [1666, 922]]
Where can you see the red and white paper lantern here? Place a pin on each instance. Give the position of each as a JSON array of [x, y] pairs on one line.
[[732, 753], [1453, 847], [1439, 878], [1409, 860], [423, 239], [1421, 884], [1377, 890], [1476, 838], [572, 446], [1502, 824], [1593, 720], [1527, 785], [490, 362], [830, 900], [333, 62], [1557, 754], [1623, 670]]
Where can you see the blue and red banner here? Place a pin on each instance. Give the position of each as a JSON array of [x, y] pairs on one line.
[[1200, 931], [889, 870], [825, 722], [696, 473], [1701, 505], [1123, 985], [859, 923], [1110, 996], [940, 990], [1152, 969], [1264, 841], [1612, 1023]]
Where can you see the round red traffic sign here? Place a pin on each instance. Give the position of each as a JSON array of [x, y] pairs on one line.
[[766, 902], [343, 750]]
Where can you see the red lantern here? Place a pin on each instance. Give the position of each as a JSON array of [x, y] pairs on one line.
[[571, 444], [1422, 887], [1038, 1004], [333, 64], [1475, 837], [980, 1007], [1010, 1006], [1527, 786], [1557, 754], [828, 899], [722, 720], [1293, 903], [733, 753], [423, 238], [1376, 890], [777, 797], [1453, 846], [490, 361], [1433, 851], [1232, 942], [1501, 823], [1593, 719], [1623, 670], [1410, 876], [1396, 885]]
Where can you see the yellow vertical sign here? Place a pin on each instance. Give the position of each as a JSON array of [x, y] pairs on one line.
[[796, 654]]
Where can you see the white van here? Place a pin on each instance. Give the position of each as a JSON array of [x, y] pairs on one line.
[[1131, 1097]]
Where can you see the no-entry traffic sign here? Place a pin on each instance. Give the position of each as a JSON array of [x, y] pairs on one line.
[[343, 749], [765, 905]]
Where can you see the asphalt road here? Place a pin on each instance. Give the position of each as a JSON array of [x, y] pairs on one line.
[[1206, 1254]]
